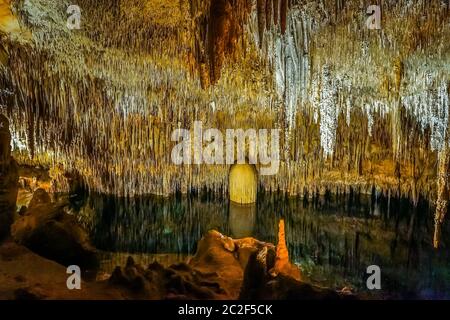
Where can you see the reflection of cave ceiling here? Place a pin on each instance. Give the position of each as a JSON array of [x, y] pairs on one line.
[[358, 107]]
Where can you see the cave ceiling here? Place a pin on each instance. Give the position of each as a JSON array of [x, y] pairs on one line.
[[358, 108]]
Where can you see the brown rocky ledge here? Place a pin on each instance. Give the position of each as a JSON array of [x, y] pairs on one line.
[[46, 229], [25, 275]]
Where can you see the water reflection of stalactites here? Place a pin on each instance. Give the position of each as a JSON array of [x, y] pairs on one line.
[[336, 238], [154, 224], [242, 219], [333, 238]]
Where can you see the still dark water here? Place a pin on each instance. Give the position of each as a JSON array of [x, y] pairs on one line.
[[332, 239]]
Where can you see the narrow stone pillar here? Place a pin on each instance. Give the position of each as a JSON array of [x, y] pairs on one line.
[[282, 263], [442, 194]]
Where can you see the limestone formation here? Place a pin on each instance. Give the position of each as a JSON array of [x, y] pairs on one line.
[[46, 229], [214, 272], [442, 202], [243, 183], [27, 276], [261, 282], [374, 113], [346, 122], [282, 263], [8, 180], [8, 22]]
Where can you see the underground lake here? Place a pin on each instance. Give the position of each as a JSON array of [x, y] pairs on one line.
[[333, 239]]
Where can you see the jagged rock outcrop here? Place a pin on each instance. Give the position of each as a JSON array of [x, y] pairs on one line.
[[270, 275], [260, 283], [215, 272], [222, 268], [46, 229], [8, 180], [179, 281]]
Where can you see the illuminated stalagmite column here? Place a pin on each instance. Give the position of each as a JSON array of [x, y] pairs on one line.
[[282, 263], [243, 183]]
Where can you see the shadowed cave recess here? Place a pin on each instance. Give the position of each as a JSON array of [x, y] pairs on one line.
[[364, 125]]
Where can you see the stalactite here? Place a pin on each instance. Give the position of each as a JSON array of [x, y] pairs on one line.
[[283, 15], [276, 12], [105, 99], [443, 191], [261, 14], [219, 25], [30, 136], [269, 13]]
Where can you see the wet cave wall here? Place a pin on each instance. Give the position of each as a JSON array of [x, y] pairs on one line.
[[358, 109]]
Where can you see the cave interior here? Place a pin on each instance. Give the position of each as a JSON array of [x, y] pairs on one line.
[[165, 146]]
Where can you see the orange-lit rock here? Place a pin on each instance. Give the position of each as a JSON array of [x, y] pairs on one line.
[[282, 263], [262, 280], [8, 22]]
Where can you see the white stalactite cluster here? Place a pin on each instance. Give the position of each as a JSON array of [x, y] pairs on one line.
[[301, 83]]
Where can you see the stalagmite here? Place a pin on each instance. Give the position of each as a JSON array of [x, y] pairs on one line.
[[282, 263]]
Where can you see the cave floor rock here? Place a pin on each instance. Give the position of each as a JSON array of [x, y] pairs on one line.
[[222, 268], [46, 229], [25, 275]]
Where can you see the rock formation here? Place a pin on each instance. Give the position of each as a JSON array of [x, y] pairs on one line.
[[220, 269], [215, 272], [443, 190], [275, 278], [27, 276], [46, 229], [8, 22], [8, 180], [282, 263]]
